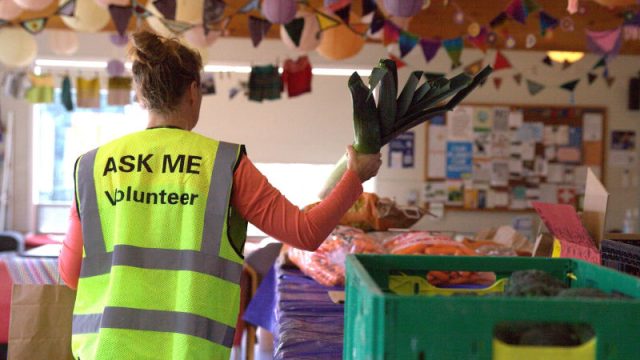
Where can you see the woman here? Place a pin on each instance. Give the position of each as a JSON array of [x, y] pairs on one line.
[[155, 240]]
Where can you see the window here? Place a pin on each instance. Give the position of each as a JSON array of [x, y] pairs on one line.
[[59, 137]]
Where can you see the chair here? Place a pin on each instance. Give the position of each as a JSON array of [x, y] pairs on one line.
[[11, 241]]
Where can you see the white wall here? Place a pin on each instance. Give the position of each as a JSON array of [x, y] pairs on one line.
[[315, 128]]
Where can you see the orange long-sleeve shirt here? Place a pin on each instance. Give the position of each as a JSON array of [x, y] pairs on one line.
[[259, 203]]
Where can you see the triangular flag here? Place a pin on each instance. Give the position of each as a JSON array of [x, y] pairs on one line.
[[518, 78], [480, 41], [212, 12], [167, 8], [570, 85], [377, 22], [368, 6], [67, 9], [176, 27], [430, 48], [34, 26], [343, 13], [605, 73], [338, 4], [606, 42], [534, 87], [501, 62], [497, 82], [517, 11], [407, 42], [454, 50], [547, 22], [325, 21], [566, 64], [121, 16], [294, 29], [258, 28], [602, 62], [592, 77], [398, 61], [498, 20], [547, 60], [249, 6], [391, 33], [474, 67], [531, 6], [610, 81]]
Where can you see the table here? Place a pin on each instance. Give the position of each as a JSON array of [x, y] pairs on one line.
[[306, 324], [31, 270]]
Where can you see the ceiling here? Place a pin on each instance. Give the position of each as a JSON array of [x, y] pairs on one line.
[[437, 21]]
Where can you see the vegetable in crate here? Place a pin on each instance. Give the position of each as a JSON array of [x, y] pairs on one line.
[[375, 123], [533, 283]]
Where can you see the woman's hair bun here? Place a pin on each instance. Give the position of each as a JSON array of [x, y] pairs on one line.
[[149, 48]]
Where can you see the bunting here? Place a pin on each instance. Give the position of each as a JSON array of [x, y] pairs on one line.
[[497, 82], [258, 28], [518, 78], [517, 11], [407, 42], [610, 81], [399, 62], [534, 87], [498, 20], [454, 50], [391, 33], [212, 12], [591, 77], [176, 27], [343, 13], [547, 61], [547, 22], [121, 16], [480, 40], [167, 8], [429, 48], [294, 29], [570, 85], [377, 22], [34, 26], [606, 42], [531, 6], [602, 62], [501, 62], [368, 6], [249, 6], [326, 21], [67, 9]]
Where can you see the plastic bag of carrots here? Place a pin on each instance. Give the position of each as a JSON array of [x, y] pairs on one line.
[[326, 264], [419, 242]]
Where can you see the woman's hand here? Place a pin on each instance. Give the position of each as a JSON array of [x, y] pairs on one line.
[[365, 165]]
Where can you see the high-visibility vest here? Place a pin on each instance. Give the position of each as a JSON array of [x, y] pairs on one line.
[[162, 249]]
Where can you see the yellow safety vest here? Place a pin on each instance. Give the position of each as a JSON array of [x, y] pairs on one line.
[[162, 248]]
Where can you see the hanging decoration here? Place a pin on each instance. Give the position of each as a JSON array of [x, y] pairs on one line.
[[67, 9], [517, 11], [279, 11], [249, 6], [407, 42], [592, 77], [258, 28], [23, 45], [166, 7], [309, 36], [199, 36], [454, 50], [88, 16], [34, 26], [480, 40], [294, 29], [326, 22], [547, 22], [391, 33], [610, 81], [403, 8], [498, 20], [517, 78], [497, 82], [570, 85], [601, 63], [212, 12], [33, 5], [430, 48], [547, 61], [62, 42], [9, 10], [501, 62], [119, 40], [120, 16], [341, 42], [115, 67], [368, 7], [534, 87], [606, 43]]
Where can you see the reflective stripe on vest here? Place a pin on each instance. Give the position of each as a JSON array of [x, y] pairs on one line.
[[206, 260]]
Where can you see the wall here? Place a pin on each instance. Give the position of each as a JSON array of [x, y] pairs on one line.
[[315, 128]]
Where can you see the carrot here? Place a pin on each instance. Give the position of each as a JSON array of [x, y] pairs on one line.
[[440, 275], [417, 248], [441, 250]]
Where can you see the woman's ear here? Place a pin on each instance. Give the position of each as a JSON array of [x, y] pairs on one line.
[[194, 92]]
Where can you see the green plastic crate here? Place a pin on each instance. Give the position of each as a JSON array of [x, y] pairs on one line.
[[383, 325]]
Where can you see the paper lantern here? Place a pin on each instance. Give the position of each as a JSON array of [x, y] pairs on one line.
[[310, 37], [33, 4], [89, 16], [9, 10], [105, 3], [279, 11], [403, 8], [615, 3], [22, 45], [115, 67], [339, 42], [63, 42], [196, 37]]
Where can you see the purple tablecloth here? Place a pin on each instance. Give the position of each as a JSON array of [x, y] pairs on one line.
[[305, 323]]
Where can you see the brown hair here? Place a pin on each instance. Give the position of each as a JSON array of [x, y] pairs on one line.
[[163, 69]]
